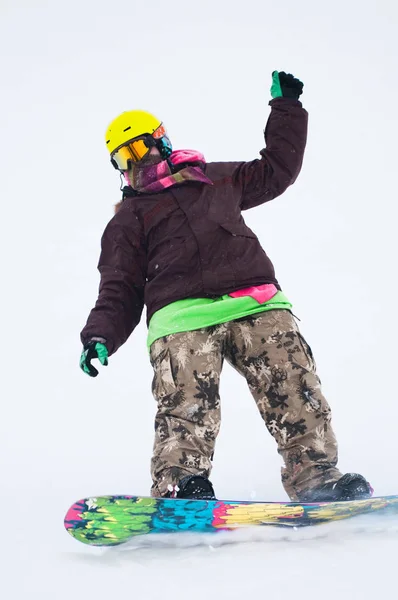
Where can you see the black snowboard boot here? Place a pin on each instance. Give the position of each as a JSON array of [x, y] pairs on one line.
[[195, 487], [350, 486]]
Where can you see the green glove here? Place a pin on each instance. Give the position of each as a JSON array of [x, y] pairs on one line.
[[285, 85], [93, 349]]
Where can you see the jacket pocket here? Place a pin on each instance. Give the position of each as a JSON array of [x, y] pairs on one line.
[[238, 229]]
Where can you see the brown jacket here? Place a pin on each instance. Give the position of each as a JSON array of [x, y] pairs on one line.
[[190, 240]]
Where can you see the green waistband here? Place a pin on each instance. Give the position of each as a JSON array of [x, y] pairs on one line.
[[195, 313]]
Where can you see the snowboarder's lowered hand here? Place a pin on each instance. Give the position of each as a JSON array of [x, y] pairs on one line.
[[93, 349], [286, 85]]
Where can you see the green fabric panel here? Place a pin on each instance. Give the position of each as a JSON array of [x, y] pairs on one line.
[[276, 90], [102, 352], [195, 313]]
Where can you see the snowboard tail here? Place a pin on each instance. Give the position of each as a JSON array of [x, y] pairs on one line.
[[112, 520]]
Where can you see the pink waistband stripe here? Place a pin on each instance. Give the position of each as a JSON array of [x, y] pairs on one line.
[[261, 293]]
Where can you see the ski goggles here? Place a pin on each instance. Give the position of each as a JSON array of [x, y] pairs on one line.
[[136, 149]]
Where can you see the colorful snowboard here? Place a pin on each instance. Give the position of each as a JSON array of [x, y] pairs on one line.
[[112, 520]]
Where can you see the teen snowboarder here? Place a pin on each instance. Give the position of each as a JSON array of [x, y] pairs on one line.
[[179, 245]]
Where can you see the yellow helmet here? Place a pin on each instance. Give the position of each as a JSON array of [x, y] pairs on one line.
[[121, 137], [129, 125]]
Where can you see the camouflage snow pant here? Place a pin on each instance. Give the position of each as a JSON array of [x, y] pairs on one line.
[[277, 363]]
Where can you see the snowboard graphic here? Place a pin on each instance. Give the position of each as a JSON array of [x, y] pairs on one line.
[[112, 520]]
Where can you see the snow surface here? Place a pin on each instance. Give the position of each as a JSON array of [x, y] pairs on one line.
[[67, 69]]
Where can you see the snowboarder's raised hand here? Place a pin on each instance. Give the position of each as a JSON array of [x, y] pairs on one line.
[[93, 349], [286, 85]]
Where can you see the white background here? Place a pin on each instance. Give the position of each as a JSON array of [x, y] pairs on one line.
[[67, 69]]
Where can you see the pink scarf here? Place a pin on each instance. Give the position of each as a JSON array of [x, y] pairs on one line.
[[156, 177]]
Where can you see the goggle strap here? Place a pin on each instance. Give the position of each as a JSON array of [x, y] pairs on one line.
[[149, 141]]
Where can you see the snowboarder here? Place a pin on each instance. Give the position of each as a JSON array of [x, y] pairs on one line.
[[178, 244]]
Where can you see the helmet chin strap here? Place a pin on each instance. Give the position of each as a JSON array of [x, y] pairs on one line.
[[124, 180]]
